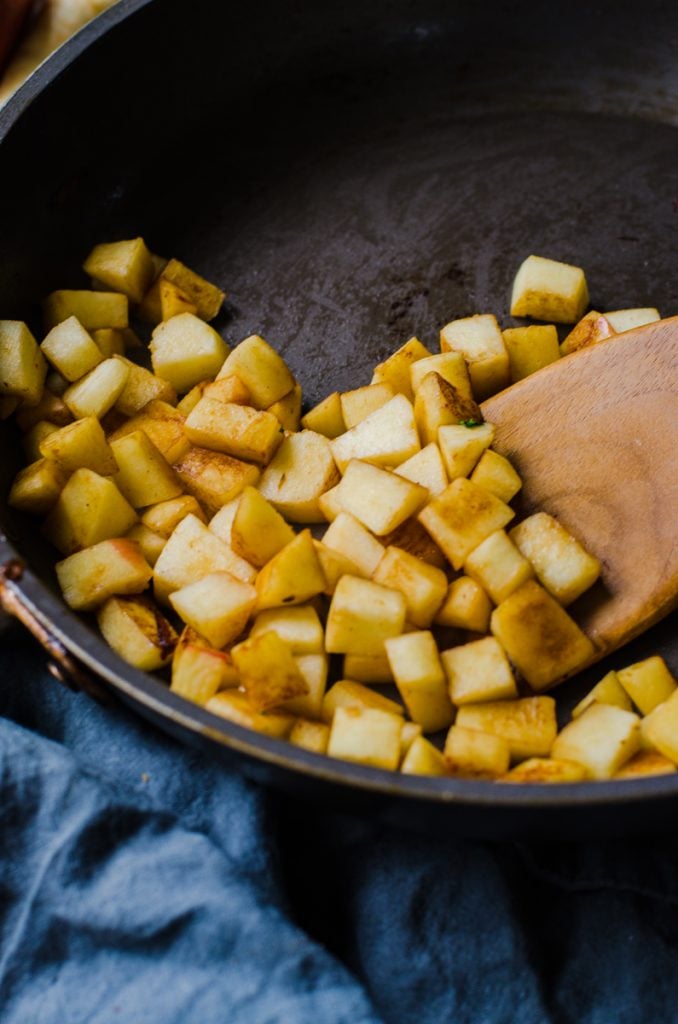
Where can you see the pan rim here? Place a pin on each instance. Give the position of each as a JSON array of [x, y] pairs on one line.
[[142, 689]]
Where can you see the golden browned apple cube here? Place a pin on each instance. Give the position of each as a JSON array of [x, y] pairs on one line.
[[235, 707], [137, 631], [548, 290], [386, 437], [546, 769], [162, 301], [141, 388], [478, 671], [287, 410], [349, 538], [367, 668], [462, 517], [420, 678], [648, 683], [347, 693], [124, 267], [540, 638], [608, 691], [601, 739], [422, 758], [413, 538], [359, 403], [80, 445], [366, 736], [334, 565], [216, 606], [36, 488], [626, 319], [93, 309], [590, 330], [98, 391], [214, 478], [237, 430], [326, 418], [268, 672], [560, 562], [530, 348], [192, 552], [409, 734], [422, 585], [299, 626], [495, 474], [362, 615], [301, 471], [498, 566], [427, 469], [451, 366], [396, 369], [528, 724], [438, 404], [144, 477], [163, 425], [257, 531], [112, 567], [71, 350], [22, 364], [475, 754], [461, 445], [379, 500], [207, 297], [644, 763], [292, 576], [466, 606], [308, 735], [89, 509], [262, 370], [185, 350], [314, 668], [198, 671], [480, 341], [164, 517]]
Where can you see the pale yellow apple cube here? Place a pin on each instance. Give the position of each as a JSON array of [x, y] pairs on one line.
[[358, 404], [362, 615], [438, 404], [150, 543], [591, 329], [528, 724], [334, 565], [93, 309], [141, 388], [347, 693], [36, 488], [396, 369], [113, 567], [349, 538], [560, 562], [530, 348], [329, 503], [366, 736], [422, 758], [601, 739], [22, 364], [292, 576], [235, 707], [498, 566], [299, 626], [71, 350], [622, 320], [660, 728], [205, 296], [257, 531], [461, 446], [109, 341], [420, 678], [164, 517], [163, 425], [287, 410], [463, 516], [539, 636], [475, 754], [98, 391], [644, 763], [262, 370], [422, 585], [648, 683], [546, 770], [409, 734], [89, 509], [192, 552], [218, 606], [301, 471], [213, 478], [478, 671], [466, 606], [495, 474], [480, 341], [326, 418], [199, 671], [367, 668], [387, 437], [124, 267], [379, 500], [548, 290], [185, 351], [144, 476], [237, 430], [451, 366], [309, 735], [608, 691], [80, 445], [314, 669], [137, 631], [268, 672], [427, 469]]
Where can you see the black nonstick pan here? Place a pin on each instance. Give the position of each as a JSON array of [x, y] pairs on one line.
[[353, 174]]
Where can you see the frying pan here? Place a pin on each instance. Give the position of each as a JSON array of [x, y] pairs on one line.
[[353, 174]]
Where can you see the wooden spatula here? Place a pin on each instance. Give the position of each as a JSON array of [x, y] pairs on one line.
[[594, 437]]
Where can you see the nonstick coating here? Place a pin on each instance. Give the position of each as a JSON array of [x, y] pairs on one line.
[[353, 174]]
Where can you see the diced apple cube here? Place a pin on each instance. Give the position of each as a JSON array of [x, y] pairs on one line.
[[475, 754], [478, 671], [451, 366], [125, 267], [495, 474], [366, 736], [439, 404], [50, 407], [112, 567], [292, 576], [422, 585], [386, 437], [466, 606], [80, 445], [622, 320], [214, 478], [358, 404], [420, 678], [367, 668], [644, 763], [530, 348], [287, 410], [349, 538], [608, 691], [144, 476], [461, 446], [164, 517], [314, 669], [217, 606], [98, 391], [258, 531], [560, 562], [379, 500], [237, 430], [528, 725], [191, 553], [308, 735], [411, 537], [268, 672], [34, 437], [396, 369], [137, 631], [334, 565], [162, 301], [207, 297], [591, 329], [601, 739], [463, 516], [235, 707], [548, 290], [36, 487], [423, 758], [498, 566], [93, 309], [163, 425], [362, 615], [427, 469], [648, 683], [301, 471], [348, 693], [22, 364], [540, 638], [660, 728], [185, 351], [89, 509], [480, 341], [70, 349], [262, 370], [150, 543], [546, 770], [299, 626], [326, 418], [141, 388], [198, 671]]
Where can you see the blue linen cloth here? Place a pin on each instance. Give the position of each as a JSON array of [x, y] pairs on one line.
[[142, 883]]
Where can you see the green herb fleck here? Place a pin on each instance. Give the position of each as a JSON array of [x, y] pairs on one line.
[[471, 423]]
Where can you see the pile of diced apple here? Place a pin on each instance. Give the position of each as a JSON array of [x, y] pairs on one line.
[[188, 501]]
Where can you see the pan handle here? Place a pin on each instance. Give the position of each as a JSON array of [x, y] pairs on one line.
[[61, 664]]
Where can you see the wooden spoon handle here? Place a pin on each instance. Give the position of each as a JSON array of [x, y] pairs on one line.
[[595, 439]]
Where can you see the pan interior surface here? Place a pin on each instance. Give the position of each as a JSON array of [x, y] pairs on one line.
[[351, 177]]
